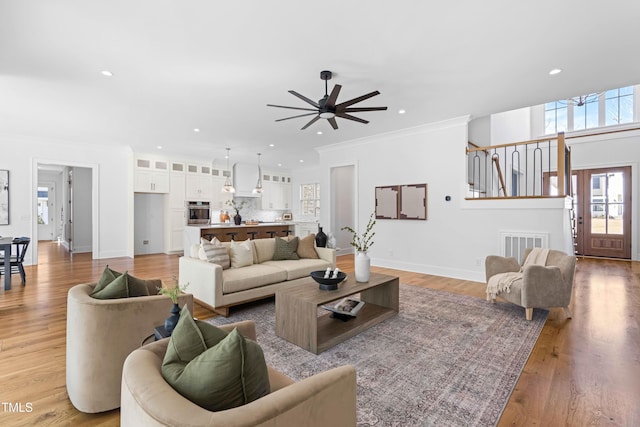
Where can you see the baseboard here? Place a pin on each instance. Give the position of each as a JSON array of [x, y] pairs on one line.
[[475, 276]]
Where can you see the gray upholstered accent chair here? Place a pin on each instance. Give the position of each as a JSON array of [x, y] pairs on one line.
[[541, 286], [324, 399], [100, 335]]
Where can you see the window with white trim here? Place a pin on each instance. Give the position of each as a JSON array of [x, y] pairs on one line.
[[310, 200], [612, 107]]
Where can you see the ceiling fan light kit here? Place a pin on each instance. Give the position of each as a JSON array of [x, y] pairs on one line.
[[326, 108]]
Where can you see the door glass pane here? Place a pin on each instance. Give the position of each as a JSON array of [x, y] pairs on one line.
[[615, 206], [598, 205]]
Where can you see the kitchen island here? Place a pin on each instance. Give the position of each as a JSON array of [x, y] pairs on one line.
[[224, 231]]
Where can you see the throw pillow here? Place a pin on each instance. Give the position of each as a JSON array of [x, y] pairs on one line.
[[137, 287], [118, 288], [213, 369], [285, 249], [306, 247], [214, 252], [241, 254], [108, 276]]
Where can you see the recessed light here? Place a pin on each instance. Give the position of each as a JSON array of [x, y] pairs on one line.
[[106, 73], [279, 164], [272, 145], [159, 147], [555, 71], [319, 132], [301, 161], [401, 111], [196, 130]]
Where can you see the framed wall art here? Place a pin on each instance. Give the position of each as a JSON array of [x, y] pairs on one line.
[[402, 202], [4, 197]]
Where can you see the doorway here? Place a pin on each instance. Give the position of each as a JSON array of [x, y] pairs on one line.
[[602, 206], [46, 211]]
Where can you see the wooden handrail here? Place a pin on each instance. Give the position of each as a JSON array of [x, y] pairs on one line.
[[513, 144]]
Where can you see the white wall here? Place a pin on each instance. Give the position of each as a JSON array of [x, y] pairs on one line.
[[511, 126], [148, 223], [82, 210], [458, 234], [108, 164]]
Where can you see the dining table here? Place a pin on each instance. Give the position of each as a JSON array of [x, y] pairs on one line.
[[5, 245]]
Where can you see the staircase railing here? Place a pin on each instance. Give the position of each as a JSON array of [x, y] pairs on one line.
[[528, 169]]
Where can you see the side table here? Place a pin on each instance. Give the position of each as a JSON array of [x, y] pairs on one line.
[[160, 332]]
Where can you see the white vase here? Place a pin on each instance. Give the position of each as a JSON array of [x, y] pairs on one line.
[[363, 267]]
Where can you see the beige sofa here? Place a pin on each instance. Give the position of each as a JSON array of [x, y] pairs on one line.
[[220, 289], [325, 399], [101, 334]]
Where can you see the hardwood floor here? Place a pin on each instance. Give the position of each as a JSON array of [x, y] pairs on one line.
[[582, 371]]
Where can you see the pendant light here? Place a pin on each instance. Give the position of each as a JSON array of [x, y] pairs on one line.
[[258, 189], [228, 187]]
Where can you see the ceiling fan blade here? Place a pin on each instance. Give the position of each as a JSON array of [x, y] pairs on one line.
[[295, 117], [357, 110], [333, 123], [312, 121], [304, 98], [291, 108], [350, 117], [345, 104], [331, 101]]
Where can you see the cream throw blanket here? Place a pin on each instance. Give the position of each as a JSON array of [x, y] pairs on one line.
[[502, 282]]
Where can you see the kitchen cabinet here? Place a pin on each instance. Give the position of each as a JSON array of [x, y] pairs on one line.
[[219, 199], [199, 183], [277, 192], [151, 175]]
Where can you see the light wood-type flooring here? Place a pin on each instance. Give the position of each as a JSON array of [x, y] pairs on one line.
[[583, 371]]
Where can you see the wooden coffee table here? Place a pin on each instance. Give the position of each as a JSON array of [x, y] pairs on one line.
[[297, 318]]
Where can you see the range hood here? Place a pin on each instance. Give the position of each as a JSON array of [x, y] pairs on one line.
[[245, 177]]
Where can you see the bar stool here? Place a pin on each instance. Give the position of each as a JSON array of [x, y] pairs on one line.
[[253, 234], [272, 233], [209, 236], [232, 234], [287, 232]]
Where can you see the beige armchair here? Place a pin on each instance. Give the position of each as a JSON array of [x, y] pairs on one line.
[[540, 286], [101, 334], [324, 399]]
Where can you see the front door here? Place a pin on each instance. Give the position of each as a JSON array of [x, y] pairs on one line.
[[603, 212]]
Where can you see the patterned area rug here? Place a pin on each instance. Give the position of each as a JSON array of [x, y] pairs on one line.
[[444, 360]]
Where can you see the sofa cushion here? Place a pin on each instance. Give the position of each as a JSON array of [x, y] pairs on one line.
[[241, 254], [306, 247], [299, 268], [117, 288], [214, 252], [285, 249], [264, 249], [253, 276], [213, 369]]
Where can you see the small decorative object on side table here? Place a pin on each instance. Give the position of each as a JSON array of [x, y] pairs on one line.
[[160, 332], [172, 293], [321, 238]]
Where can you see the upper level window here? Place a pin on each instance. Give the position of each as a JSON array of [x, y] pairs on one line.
[[608, 108]]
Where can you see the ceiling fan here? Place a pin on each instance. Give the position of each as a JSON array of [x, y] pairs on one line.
[[326, 108]]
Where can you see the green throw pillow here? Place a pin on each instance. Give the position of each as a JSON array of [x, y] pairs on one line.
[[137, 287], [286, 249], [108, 276], [118, 288], [213, 369]]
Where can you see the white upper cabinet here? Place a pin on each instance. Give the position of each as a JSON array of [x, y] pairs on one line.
[[151, 175], [199, 183]]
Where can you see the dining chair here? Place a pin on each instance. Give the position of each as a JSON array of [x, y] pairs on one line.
[[17, 267]]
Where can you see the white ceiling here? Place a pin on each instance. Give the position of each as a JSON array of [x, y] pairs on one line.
[[214, 65]]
